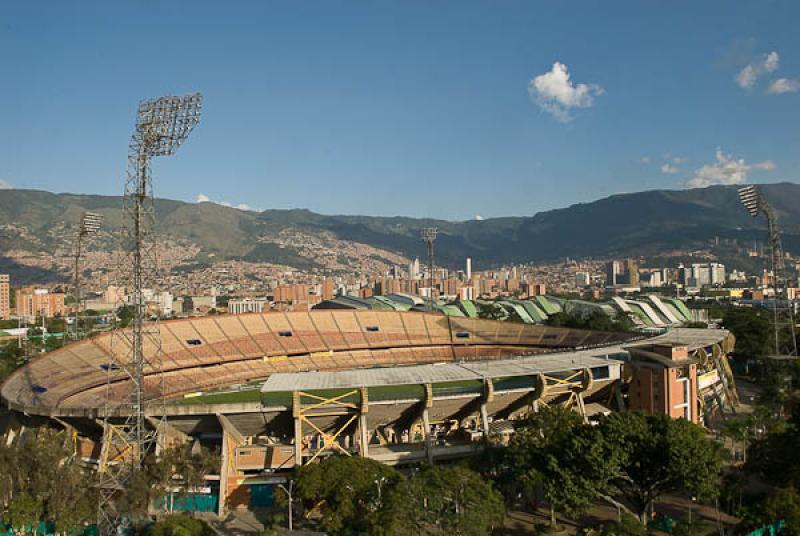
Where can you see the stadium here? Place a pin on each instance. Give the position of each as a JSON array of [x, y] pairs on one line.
[[274, 390]]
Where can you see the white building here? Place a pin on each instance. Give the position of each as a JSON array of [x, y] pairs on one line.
[[583, 279], [247, 305]]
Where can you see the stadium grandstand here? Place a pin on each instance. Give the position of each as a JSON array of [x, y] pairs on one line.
[[273, 391], [646, 312]]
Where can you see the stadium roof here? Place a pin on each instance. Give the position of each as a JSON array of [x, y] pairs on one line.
[[443, 372], [694, 338]]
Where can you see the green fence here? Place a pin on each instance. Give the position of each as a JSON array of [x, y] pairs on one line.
[[769, 530], [193, 502], [48, 529]]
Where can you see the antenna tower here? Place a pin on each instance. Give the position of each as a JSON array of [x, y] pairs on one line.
[[428, 236], [782, 308], [162, 125]]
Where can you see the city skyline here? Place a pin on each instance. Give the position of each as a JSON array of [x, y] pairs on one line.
[[312, 106]]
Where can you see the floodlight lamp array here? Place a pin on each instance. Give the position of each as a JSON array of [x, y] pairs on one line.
[[428, 234], [91, 222], [751, 199], [164, 123]]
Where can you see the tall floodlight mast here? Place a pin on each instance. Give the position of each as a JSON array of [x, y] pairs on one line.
[[90, 224], [782, 308], [161, 127], [428, 236]]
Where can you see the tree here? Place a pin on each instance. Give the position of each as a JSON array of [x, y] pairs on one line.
[[350, 490], [28, 484], [553, 450], [24, 513], [774, 457], [594, 320], [752, 328], [784, 504], [659, 455], [182, 466], [179, 525], [75, 503], [444, 500], [125, 315]]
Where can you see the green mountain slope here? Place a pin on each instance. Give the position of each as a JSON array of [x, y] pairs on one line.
[[642, 223]]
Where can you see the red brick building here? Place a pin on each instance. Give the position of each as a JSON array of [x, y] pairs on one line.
[[664, 381]]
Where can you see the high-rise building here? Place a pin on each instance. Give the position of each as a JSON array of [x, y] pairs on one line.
[[622, 273], [614, 271], [717, 273], [582, 279], [291, 293], [32, 302], [328, 289], [413, 269], [702, 274], [5, 297], [631, 272], [469, 269]]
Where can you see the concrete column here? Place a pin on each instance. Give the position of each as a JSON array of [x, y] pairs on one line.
[[223, 476], [362, 428], [582, 408], [298, 442], [485, 420], [362, 421], [426, 423]]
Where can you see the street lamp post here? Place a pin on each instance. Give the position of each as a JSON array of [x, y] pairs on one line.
[[288, 491]]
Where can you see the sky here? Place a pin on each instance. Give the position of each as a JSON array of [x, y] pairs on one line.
[[447, 109]]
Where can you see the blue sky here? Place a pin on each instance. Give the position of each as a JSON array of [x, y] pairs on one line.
[[405, 108]]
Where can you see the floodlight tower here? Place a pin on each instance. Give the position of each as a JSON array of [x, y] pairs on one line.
[[90, 224], [162, 125], [428, 236], [783, 315]]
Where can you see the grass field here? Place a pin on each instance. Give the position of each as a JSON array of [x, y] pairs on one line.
[[251, 393]]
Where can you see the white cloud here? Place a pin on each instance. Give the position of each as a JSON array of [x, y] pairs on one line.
[[748, 76], [4, 185], [783, 85], [202, 198], [644, 160], [726, 170], [556, 94], [669, 169], [478, 217]]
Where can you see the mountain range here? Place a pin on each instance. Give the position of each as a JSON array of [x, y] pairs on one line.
[[643, 223]]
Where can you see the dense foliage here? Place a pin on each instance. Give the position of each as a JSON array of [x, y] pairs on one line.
[[594, 320], [179, 525], [360, 495], [351, 488], [444, 500], [44, 482], [630, 459]]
